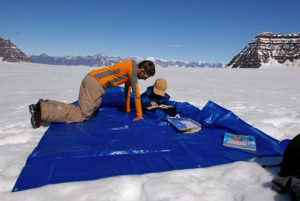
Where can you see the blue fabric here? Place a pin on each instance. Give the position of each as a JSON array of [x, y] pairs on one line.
[[111, 144]]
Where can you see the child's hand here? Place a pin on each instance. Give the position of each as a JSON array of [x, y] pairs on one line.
[[154, 104], [137, 118]]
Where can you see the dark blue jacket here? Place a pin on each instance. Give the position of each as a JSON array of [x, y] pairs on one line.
[[148, 96]]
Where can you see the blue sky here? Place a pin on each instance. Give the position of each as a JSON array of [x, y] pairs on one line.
[[186, 30]]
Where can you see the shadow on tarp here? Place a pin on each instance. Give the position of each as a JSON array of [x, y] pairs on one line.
[[111, 145]]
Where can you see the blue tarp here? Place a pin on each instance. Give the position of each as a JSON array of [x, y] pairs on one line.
[[111, 144]]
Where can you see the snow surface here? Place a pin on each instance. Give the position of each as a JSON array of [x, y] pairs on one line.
[[273, 63], [267, 98]]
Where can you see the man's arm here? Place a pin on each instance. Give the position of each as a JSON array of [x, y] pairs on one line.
[[135, 91], [127, 97]]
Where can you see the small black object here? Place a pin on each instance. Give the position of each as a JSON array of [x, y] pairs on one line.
[[290, 165]]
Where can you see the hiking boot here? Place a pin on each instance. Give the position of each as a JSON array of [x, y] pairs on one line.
[[35, 111]]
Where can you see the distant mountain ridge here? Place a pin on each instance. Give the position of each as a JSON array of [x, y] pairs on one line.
[[9, 52], [268, 47], [176, 63], [101, 60]]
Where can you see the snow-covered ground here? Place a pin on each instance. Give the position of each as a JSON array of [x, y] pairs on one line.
[[267, 98]]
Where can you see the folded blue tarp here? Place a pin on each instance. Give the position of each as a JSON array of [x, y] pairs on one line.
[[111, 144]]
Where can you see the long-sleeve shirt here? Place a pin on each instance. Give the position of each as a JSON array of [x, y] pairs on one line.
[[123, 72]]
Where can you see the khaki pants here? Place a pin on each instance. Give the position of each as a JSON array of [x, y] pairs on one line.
[[89, 100]]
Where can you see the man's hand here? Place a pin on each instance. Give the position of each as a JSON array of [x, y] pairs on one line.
[[137, 118]]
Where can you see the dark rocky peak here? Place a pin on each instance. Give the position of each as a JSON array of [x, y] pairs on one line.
[[9, 52], [269, 48]]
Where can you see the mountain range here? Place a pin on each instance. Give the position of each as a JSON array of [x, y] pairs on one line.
[[265, 48], [103, 60], [9, 52]]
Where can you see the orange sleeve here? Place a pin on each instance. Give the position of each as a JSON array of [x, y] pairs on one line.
[[137, 101], [127, 97]]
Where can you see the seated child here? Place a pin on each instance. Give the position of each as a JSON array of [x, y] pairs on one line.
[[156, 95]]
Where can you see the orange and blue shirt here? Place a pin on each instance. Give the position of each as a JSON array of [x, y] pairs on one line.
[[123, 72]]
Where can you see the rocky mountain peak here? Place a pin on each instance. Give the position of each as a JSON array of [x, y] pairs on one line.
[[9, 52], [266, 46]]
